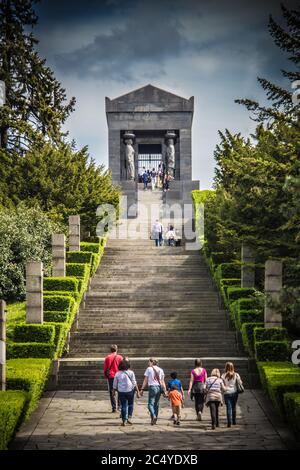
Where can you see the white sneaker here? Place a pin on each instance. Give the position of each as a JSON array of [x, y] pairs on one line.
[[199, 416]]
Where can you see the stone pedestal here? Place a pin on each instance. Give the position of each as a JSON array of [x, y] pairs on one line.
[[34, 292], [58, 255], [74, 232], [2, 346], [248, 272], [273, 286]]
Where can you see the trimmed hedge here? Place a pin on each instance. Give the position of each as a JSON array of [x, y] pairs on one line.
[[227, 271], [248, 316], [79, 270], [58, 303], [80, 257], [25, 350], [272, 350], [63, 284], [236, 293], [59, 317], [278, 378], [270, 334], [12, 404], [74, 295], [248, 336], [33, 333], [291, 402], [29, 375], [91, 247], [225, 283]]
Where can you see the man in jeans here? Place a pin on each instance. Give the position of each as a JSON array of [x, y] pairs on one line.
[[111, 367]]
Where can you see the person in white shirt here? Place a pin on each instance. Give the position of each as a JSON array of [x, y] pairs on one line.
[[171, 235], [231, 378], [157, 233], [154, 377], [125, 384]]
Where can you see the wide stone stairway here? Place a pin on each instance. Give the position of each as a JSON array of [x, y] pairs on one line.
[[151, 301]]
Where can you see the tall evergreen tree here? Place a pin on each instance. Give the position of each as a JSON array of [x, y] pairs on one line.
[[283, 106], [36, 104]]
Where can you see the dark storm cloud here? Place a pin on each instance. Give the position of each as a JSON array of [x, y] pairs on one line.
[[134, 34]]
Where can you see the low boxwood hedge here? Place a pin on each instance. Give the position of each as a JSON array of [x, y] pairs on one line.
[[270, 334], [248, 335], [91, 247], [236, 293], [59, 302], [272, 350], [278, 378], [33, 333], [29, 375], [74, 295], [59, 317], [227, 271], [291, 402], [25, 350], [225, 283], [12, 405], [81, 271], [80, 257], [248, 316], [63, 284]]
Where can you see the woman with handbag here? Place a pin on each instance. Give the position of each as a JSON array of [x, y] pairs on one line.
[[234, 385], [197, 386], [154, 377], [214, 390]]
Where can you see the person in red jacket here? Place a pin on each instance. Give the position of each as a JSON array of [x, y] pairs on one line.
[[111, 367]]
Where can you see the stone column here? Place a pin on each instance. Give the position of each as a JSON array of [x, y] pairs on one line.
[[273, 285], [248, 273], [2, 346], [59, 255], [74, 232], [34, 292]]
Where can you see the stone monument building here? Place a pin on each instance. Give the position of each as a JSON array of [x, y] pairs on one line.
[[149, 127]]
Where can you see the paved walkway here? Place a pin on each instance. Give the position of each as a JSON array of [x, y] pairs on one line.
[[82, 420]]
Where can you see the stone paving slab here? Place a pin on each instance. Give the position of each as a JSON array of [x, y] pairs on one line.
[[82, 420]]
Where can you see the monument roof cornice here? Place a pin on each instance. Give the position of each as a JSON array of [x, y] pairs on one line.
[[149, 99]]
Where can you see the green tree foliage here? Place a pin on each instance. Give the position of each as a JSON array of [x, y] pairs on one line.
[[36, 104], [65, 181], [257, 180], [282, 104], [25, 234]]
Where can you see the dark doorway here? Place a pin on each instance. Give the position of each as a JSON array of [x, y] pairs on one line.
[[149, 156]]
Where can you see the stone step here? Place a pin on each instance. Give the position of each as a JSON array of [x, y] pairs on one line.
[[81, 374]]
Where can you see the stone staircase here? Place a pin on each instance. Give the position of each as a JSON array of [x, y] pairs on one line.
[[158, 302]]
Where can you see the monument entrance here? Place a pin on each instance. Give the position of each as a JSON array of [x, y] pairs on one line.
[[146, 127], [149, 157]]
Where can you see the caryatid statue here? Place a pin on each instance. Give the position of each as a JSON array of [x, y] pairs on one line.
[[170, 152], [129, 151]]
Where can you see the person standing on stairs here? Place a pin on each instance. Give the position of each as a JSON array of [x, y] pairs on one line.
[[157, 233], [125, 384], [154, 377], [231, 380], [111, 367], [197, 386]]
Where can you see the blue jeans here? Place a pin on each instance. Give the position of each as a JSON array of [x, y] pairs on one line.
[[231, 401], [153, 400], [127, 401]]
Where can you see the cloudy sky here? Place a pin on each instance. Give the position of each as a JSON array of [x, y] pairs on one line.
[[210, 50]]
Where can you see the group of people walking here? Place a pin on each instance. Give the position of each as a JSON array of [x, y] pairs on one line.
[[212, 390], [159, 178]]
